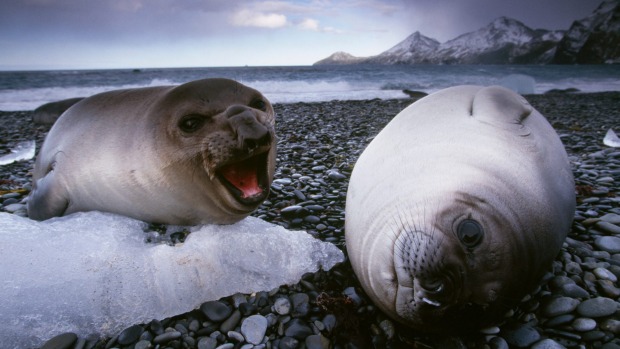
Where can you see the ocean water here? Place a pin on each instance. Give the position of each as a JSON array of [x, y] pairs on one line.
[[29, 89]]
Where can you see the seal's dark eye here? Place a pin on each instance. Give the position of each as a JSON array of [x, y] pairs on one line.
[[259, 104], [470, 233], [191, 123]]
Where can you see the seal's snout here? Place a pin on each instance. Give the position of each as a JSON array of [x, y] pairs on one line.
[[251, 133]]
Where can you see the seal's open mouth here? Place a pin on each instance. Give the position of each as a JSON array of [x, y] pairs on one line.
[[247, 180]]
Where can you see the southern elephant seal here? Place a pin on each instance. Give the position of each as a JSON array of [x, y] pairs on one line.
[[201, 152], [457, 208], [48, 113]]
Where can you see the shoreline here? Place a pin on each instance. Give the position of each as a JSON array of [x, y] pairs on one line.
[[314, 137]]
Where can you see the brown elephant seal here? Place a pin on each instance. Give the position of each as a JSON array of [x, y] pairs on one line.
[[48, 113], [201, 152], [457, 208]]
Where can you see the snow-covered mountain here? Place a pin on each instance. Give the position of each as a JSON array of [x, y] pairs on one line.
[[340, 58], [595, 39], [505, 40], [416, 48]]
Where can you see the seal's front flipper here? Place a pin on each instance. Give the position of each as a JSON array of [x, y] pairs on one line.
[[503, 108], [47, 199]]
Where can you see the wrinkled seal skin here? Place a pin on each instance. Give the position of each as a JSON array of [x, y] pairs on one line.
[[457, 208], [202, 152]]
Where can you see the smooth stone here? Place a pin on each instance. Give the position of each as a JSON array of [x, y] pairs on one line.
[[608, 227], [226, 346], [329, 321], [300, 303], [216, 310], [167, 337], [232, 322], [253, 328], [548, 344], [610, 244], [611, 325], [236, 336], [10, 201], [521, 336], [130, 335], [316, 341], [560, 320], [288, 343], [574, 291], [297, 329], [312, 219], [61, 341], [207, 343], [14, 207], [282, 306], [604, 274], [498, 343], [388, 328], [144, 344], [593, 336], [335, 175], [559, 306], [583, 324], [607, 288], [597, 307], [611, 218]]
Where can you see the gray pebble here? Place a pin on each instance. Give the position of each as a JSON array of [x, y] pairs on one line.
[[216, 310], [548, 344], [300, 303], [573, 291], [583, 324], [226, 346], [610, 244], [130, 335], [559, 306], [498, 343], [288, 343], [611, 218], [522, 336], [236, 336], [61, 341], [597, 307], [604, 274], [316, 341], [297, 329], [167, 337], [282, 306], [207, 343], [608, 227], [329, 321], [144, 344], [232, 322], [12, 208], [253, 328]]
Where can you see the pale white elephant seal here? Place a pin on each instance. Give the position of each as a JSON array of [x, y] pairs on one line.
[[457, 208], [202, 152]]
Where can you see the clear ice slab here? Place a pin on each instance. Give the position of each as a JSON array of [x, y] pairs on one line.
[[93, 273], [22, 151]]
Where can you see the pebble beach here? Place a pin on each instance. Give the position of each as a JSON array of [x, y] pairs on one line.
[[576, 306]]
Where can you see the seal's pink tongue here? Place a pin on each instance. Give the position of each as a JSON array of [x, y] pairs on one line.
[[243, 176]]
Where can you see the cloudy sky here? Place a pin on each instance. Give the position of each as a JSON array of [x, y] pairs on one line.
[[75, 34]]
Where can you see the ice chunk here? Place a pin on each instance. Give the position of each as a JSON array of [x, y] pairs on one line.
[[522, 84], [611, 139], [93, 273], [22, 151]]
